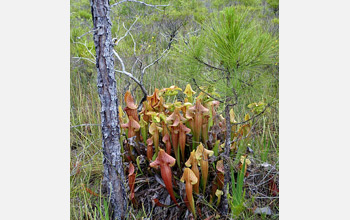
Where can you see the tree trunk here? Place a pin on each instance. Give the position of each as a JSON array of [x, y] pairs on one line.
[[226, 157], [113, 178]]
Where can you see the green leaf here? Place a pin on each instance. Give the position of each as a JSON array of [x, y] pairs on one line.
[[138, 164]]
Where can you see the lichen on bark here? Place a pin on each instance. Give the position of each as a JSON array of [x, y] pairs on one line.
[[113, 178]]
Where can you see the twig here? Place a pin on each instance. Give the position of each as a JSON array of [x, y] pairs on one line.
[[140, 83], [137, 59], [164, 53], [273, 168], [267, 197], [84, 58], [81, 125], [193, 32], [133, 66], [86, 34], [238, 123], [86, 49], [134, 44], [143, 3], [151, 64], [126, 33], [172, 38], [217, 68], [208, 65], [262, 183], [129, 74], [126, 87], [219, 100], [195, 83], [135, 80], [241, 137]]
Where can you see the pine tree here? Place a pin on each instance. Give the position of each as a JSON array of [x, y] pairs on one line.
[[231, 44]]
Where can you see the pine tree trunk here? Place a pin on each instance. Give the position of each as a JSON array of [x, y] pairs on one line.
[[113, 178], [227, 177]]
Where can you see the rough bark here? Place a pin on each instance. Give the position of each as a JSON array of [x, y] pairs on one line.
[[113, 178], [226, 158]]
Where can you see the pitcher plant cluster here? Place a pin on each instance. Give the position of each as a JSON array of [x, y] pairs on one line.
[[186, 137]]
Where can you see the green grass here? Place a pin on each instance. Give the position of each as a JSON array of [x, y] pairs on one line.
[[236, 198]]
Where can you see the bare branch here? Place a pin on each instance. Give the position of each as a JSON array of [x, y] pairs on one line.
[[134, 44], [135, 80], [208, 65], [240, 137], [81, 125], [243, 122], [133, 66], [193, 32], [126, 33], [86, 33], [151, 64], [163, 35], [267, 197], [143, 3], [195, 83], [126, 86], [143, 70], [140, 83], [129, 74], [156, 60], [137, 59], [164, 53], [84, 58], [217, 68], [86, 49], [172, 35], [120, 60], [118, 25]]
